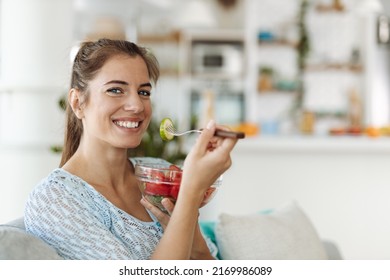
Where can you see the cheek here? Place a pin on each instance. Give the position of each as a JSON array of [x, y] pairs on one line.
[[97, 117], [148, 108]]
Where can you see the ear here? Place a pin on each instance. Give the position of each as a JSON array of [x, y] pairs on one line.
[[75, 103]]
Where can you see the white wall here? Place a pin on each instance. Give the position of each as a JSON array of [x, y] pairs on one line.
[[34, 63], [341, 184], [21, 169]]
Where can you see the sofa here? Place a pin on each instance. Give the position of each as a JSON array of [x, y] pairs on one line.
[[17, 244], [282, 233]]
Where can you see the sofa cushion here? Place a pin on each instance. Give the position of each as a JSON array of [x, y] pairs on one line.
[[16, 244], [18, 223], [285, 233]]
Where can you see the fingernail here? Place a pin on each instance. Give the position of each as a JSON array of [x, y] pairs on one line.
[[210, 124]]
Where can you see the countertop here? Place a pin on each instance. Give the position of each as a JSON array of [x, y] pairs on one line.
[[314, 144]]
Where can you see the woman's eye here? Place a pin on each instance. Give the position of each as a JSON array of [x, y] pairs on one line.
[[115, 91], [144, 93]]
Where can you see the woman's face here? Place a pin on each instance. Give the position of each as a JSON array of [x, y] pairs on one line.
[[118, 109]]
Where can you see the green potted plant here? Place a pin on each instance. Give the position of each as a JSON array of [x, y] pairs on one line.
[[303, 49], [265, 82]]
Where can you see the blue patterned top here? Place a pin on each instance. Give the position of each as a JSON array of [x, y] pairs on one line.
[[71, 216]]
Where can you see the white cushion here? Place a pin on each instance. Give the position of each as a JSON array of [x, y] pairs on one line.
[[284, 234]]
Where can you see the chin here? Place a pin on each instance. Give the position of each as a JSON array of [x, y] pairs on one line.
[[132, 145]]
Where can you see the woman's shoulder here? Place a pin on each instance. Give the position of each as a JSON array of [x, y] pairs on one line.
[[58, 181], [60, 176]]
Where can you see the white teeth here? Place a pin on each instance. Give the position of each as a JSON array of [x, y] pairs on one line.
[[127, 124]]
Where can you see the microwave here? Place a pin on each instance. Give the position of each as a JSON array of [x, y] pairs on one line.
[[225, 59]]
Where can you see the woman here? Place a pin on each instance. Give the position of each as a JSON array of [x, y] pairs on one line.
[[91, 207]]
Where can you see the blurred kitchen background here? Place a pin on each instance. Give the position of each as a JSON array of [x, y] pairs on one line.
[[308, 81]]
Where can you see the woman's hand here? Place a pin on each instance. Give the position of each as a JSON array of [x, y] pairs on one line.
[[162, 217], [208, 159]]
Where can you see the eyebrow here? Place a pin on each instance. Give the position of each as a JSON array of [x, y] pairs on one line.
[[126, 83], [146, 85]]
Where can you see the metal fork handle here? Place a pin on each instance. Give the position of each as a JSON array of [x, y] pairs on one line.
[[185, 132], [228, 134], [218, 132]]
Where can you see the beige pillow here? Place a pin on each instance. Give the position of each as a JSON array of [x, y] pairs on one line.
[[284, 234]]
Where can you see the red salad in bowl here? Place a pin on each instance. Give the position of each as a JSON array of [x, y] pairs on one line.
[[160, 180]]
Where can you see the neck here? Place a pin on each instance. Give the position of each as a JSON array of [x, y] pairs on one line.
[[94, 163]]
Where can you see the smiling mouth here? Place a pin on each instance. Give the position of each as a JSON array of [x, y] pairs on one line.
[[127, 124]]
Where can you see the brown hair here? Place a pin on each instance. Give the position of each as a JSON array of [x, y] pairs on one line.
[[89, 60]]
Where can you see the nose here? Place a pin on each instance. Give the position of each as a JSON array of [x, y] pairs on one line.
[[133, 103]]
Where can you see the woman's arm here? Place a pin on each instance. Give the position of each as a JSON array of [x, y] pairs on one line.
[[200, 249], [207, 160]]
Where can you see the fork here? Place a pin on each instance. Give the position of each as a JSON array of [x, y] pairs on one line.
[[218, 132]]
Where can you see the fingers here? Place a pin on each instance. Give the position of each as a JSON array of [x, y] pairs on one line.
[[222, 148], [210, 156], [208, 141], [168, 205], [206, 135], [162, 217], [227, 142]]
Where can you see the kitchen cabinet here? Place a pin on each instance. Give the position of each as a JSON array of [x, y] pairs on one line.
[[214, 67], [167, 49], [333, 70]]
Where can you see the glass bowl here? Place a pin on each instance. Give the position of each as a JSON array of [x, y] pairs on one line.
[[157, 181]]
